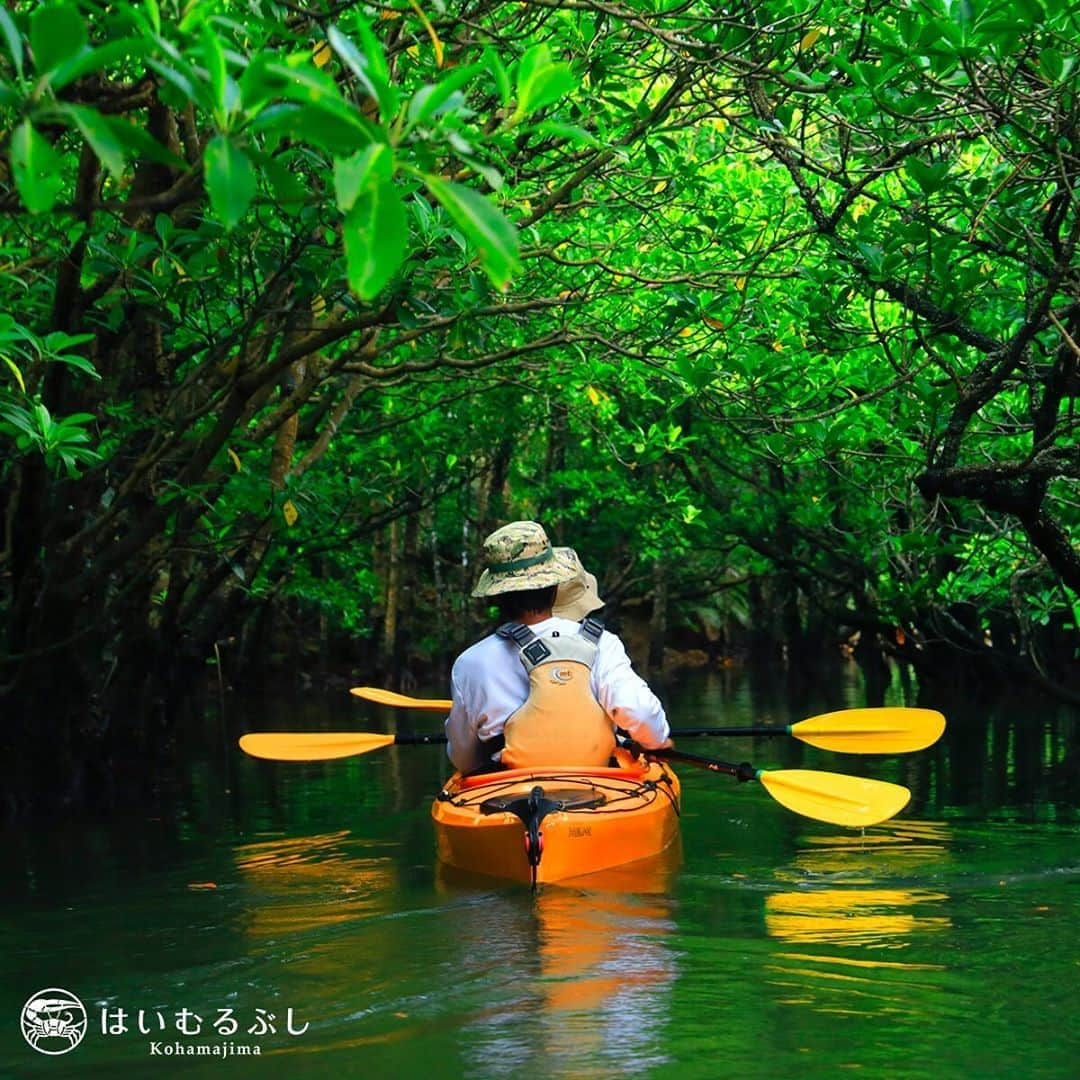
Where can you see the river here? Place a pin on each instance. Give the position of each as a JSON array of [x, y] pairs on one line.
[[292, 917]]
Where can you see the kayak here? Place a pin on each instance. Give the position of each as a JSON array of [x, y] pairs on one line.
[[550, 824]]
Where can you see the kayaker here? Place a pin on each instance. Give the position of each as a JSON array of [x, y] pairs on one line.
[[580, 596], [579, 686]]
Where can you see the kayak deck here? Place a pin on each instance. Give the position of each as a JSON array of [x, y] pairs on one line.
[[582, 820]]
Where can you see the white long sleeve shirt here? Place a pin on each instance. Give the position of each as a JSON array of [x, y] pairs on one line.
[[488, 682]]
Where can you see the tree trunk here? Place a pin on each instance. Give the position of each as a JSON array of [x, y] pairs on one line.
[[658, 621], [392, 602], [876, 673]]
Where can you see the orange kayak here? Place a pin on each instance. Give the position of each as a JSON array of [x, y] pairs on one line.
[[550, 824]]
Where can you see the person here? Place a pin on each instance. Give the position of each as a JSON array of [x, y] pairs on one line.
[[543, 689], [578, 597]]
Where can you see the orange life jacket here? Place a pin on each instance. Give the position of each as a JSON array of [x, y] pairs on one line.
[[561, 722]]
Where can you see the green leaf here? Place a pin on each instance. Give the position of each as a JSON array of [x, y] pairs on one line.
[[572, 133], [230, 180], [373, 50], [368, 66], [491, 175], [374, 164], [20, 419], [1053, 64], [308, 85], [491, 61], [38, 169], [535, 60], [541, 82], [376, 235], [432, 99], [76, 420], [137, 142], [100, 135], [962, 12], [58, 341], [332, 129], [214, 56], [494, 236], [13, 39], [929, 177], [291, 194], [14, 371], [76, 361], [550, 86], [57, 33], [90, 60], [182, 80]]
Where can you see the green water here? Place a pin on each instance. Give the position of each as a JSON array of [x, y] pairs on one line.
[[944, 944]]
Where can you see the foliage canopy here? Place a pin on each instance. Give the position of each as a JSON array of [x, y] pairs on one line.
[[772, 310]]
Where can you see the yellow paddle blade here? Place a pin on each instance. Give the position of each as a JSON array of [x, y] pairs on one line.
[[840, 800], [311, 746], [872, 731], [388, 697]]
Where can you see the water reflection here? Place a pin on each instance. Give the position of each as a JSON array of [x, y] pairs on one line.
[[299, 884], [594, 968], [865, 932], [896, 848], [882, 918], [923, 933], [570, 981], [604, 972]]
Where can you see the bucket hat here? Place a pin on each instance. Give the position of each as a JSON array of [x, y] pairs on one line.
[[519, 556], [577, 597]]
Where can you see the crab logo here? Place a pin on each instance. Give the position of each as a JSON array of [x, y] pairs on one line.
[[53, 1021]]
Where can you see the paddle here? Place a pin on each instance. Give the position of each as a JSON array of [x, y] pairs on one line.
[[401, 701], [895, 730], [325, 745], [839, 800], [824, 796], [892, 730]]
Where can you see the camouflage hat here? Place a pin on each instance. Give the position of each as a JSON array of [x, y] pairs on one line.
[[577, 597], [519, 556]]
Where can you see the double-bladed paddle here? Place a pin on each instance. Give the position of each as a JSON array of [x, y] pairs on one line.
[[837, 799], [890, 730], [824, 796]]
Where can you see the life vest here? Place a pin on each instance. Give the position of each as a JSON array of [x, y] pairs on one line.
[[561, 722]]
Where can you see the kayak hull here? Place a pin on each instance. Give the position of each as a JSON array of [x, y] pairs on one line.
[[606, 818]]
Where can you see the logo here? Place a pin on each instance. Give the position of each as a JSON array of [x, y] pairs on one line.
[[562, 674], [53, 1021]]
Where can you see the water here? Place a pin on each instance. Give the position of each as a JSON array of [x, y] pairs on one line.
[[943, 944]]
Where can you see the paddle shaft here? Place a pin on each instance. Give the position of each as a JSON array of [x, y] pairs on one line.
[[840, 800], [894, 730], [439, 737], [434, 739], [687, 733], [741, 772]]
